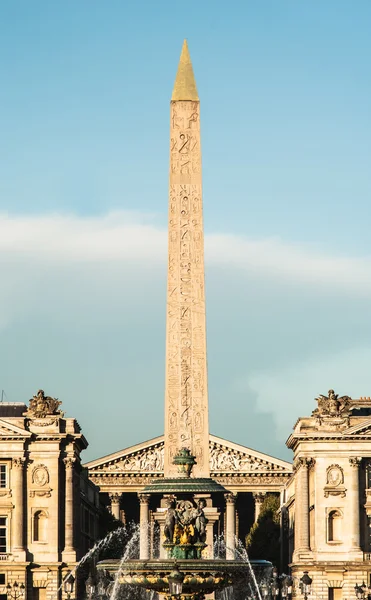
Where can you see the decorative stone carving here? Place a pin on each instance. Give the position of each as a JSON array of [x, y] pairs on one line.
[[39, 481], [355, 461], [226, 459], [305, 462], [230, 498], [115, 497], [18, 463], [186, 399], [332, 406], [149, 460], [334, 482], [69, 461], [40, 475], [144, 498], [42, 406]]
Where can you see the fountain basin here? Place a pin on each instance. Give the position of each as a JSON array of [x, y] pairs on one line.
[[200, 576]]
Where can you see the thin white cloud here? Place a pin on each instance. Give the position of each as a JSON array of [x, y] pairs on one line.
[[123, 236]]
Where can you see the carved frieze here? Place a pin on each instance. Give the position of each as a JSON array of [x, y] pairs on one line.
[[148, 460], [223, 459]]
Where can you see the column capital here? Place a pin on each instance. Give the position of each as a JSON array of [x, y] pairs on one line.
[[115, 497], [18, 462], [259, 497], [144, 498], [69, 461], [305, 462], [355, 461], [230, 498]]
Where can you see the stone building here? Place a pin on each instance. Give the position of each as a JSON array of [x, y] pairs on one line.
[[246, 473], [326, 506], [49, 509]]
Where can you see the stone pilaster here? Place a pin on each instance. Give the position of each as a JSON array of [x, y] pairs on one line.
[[302, 540], [69, 552], [258, 499], [186, 396], [18, 512], [144, 526], [353, 521], [230, 537], [115, 504]]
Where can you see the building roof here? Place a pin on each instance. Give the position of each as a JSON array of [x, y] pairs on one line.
[[12, 409]]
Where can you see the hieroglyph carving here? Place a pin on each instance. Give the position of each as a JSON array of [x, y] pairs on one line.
[[186, 401]]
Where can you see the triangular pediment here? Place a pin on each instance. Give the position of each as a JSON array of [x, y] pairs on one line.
[[363, 428], [145, 457], [228, 457], [225, 458], [9, 430]]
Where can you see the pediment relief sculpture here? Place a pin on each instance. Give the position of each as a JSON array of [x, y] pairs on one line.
[[224, 459], [42, 406], [148, 460], [334, 482], [332, 406], [228, 459]]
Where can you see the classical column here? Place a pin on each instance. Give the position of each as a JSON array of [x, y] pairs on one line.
[[354, 504], [302, 504], [230, 538], [115, 504], [144, 526], [17, 493], [259, 499], [68, 523]]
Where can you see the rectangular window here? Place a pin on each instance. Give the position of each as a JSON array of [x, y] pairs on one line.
[[3, 478], [3, 535], [2, 579]]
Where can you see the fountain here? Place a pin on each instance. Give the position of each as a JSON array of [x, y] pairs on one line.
[[185, 573]]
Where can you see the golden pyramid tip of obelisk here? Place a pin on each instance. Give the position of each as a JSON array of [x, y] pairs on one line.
[[185, 85]]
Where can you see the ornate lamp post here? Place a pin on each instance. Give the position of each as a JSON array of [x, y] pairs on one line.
[[175, 580], [15, 590], [286, 587], [360, 591], [305, 585], [264, 588], [275, 586], [68, 584], [90, 586]]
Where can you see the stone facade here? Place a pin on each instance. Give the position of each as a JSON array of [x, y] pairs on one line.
[[248, 474], [48, 508], [325, 509]]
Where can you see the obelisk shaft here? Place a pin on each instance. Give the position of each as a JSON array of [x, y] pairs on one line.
[[186, 399]]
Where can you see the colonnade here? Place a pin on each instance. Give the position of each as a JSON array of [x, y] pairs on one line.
[[211, 512]]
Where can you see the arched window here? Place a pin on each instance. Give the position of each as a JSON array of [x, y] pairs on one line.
[[40, 521], [334, 526]]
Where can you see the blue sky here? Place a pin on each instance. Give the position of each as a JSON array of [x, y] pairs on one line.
[[286, 129]]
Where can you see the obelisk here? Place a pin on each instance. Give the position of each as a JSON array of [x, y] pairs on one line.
[[186, 399]]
